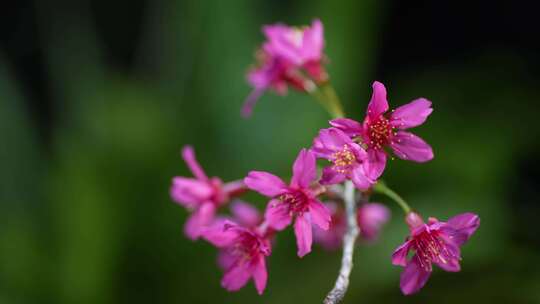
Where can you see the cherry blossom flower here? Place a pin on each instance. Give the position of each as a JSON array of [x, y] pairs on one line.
[[290, 57], [437, 243], [349, 160], [201, 195], [297, 200], [242, 255], [371, 217], [380, 129]]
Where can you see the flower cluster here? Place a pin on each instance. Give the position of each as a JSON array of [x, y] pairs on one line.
[[356, 154]]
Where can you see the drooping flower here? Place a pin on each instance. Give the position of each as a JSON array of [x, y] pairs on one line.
[[297, 200], [350, 160], [201, 195], [242, 255], [370, 217], [290, 57], [433, 243], [380, 130], [331, 239]]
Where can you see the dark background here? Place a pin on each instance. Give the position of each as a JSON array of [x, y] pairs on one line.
[[97, 98]]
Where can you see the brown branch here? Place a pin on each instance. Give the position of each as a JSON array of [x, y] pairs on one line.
[[349, 239]]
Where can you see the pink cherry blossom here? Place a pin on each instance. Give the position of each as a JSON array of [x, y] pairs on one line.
[[380, 130], [349, 160], [371, 217], [331, 238], [201, 195], [242, 255], [290, 57], [435, 242], [297, 200]]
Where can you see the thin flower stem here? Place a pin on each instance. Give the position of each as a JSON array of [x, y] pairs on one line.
[[327, 97], [381, 187], [333, 100], [349, 239]]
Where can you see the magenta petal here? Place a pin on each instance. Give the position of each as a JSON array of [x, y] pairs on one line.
[[250, 101], [200, 219], [304, 169], [265, 183], [399, 257], [465, 225], [245, 214], [412, 114], [302, 230], [371, 218], [360, 180], [190, 192], [411, 147], [351, 127], [450, 265], [225, 259], [375, 164], [236, 277], [234, 187], [331, 177], [320, 215], [413, 278], [260, 276], [313, 41], [277, 214], [189, 157], [378, 103], [330, 141]]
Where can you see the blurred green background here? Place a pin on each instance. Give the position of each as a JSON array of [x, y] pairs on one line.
[[98, 97]]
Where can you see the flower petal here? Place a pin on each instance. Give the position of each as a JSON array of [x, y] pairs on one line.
[[189, 157], [251, 100], [331, 177], [465, 225], [378, 103], [412, 114], [265, 183], [350, 127], [199, 220], [413, 278], [225, 259], [277, 215], [190, 192], [245, 214], [304, 169], [330, 141], [260, 275], [360, 180], [371, 218], [302, 230], [313, 41], [411, 147], [234, 188], [399, 257], [320, 215], [236, 276], [375, 164]]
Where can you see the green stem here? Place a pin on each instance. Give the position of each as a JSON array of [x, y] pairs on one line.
[[327, 97], [381, 187]]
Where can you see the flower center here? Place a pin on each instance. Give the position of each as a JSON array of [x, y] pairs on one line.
[[344, 160], [379, 132], [431, 248], [296, 200]]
